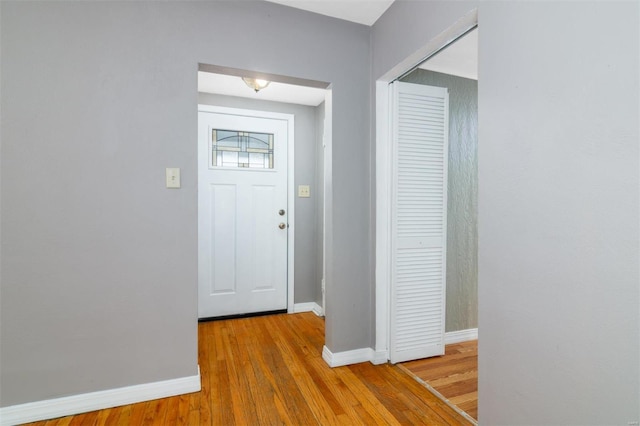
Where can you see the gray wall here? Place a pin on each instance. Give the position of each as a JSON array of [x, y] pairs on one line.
[[98, 267], [558, 213], [307, 234], [462, 201], [558, 203], [407, 26]]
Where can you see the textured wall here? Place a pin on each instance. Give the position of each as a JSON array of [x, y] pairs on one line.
[[306, 256], [462, 204]]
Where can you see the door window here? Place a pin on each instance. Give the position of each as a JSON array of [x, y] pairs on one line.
[[238, 149]]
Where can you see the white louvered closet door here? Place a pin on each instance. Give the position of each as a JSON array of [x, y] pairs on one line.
[[420, 134]]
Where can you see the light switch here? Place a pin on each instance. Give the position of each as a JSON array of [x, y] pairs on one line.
[[304, 191], [173, 177]]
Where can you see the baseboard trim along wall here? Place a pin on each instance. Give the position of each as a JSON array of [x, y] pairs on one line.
[[339, 359], [355, 356], [308, 307], [460, 336], [379, 357], [82, 403]]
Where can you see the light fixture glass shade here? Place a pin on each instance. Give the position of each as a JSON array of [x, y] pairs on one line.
[[255, 83]]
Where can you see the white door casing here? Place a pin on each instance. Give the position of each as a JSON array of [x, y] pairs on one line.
[[420, 117], [327, 148], [245, 259]]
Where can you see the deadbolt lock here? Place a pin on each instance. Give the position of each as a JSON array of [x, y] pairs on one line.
[[281, 212]]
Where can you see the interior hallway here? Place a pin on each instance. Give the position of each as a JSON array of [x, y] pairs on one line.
[[269, 370]]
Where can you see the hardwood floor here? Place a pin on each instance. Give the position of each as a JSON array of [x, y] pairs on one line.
[[454, 375], [269, 370]]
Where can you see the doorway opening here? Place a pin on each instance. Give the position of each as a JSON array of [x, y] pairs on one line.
[[295, 152], [449, 61]]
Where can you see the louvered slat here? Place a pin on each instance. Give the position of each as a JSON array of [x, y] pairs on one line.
[[420, 144]]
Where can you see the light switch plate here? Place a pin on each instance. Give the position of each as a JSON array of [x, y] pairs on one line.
[[173, 177], [304, 191]]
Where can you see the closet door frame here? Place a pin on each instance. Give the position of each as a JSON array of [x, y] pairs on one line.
[[383, 166]]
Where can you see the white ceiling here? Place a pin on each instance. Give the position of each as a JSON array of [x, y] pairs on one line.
[[279, 92], [364, 12], [460, 58]]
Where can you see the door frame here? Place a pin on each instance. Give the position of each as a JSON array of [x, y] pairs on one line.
[[290, 119], [384, 173]]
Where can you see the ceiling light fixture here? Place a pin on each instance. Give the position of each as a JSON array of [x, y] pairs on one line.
[[255, 83]]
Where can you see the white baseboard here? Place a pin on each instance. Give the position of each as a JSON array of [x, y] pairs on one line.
[[355, 356], [460, 336], [82, 403], [308, 307], [379, 357]]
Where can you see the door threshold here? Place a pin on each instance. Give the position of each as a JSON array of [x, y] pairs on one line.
[[238, 316]]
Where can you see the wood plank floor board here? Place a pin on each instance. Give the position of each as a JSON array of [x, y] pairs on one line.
[[137, 413], [279, 373], [323, 402], [264, 395], [454, 375], [242, 393], [319, 406], [171, 416], [269, 371], [114, 418], [122, 415], [218, 383], [194, 417], [367, 399], [86, 419], [389, 396], [155, 412], [103, 415], [459, 387], [411, 389], [337, 394]]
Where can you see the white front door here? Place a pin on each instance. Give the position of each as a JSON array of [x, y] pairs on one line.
[[242, 213]]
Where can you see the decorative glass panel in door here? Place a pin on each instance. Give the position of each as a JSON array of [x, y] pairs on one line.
[[238, 149]]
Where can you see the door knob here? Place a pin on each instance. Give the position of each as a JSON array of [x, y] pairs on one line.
[[281, 212], [282, 225]]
